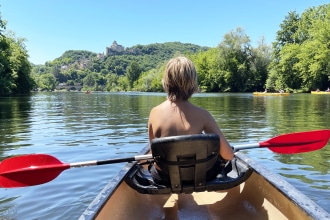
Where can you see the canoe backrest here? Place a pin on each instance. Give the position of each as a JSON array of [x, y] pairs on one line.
[[186, 159]]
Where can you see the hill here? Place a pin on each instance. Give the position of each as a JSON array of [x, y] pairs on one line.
[[147, 56]]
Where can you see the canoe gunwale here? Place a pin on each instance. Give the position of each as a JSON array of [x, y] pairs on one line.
[[302, 201], [288, 190], [99, 201]]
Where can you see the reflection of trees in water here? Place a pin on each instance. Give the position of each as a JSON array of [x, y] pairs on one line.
[[15, 119], [116, 119], [111, 112], [294, 112], [236, 114], [304, 166], [9, 209]]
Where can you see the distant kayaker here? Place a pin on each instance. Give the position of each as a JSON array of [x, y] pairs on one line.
[[328, 90], [176, 115]]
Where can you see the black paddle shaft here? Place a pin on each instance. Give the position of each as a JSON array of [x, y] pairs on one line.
[[127, 159], [119, 160]]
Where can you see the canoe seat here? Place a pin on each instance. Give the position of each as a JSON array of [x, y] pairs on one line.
[[187, 159]]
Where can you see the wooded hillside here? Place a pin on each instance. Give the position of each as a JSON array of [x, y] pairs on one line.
[[297, 61]]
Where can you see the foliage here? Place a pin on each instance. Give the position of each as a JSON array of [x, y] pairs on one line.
[[46, 82], [15, 68], [112, 83], [260, 60], [234, 66], [133, 72], [302, 52], [207, 68], [235, 51], [298, 60], [150, 81], [130, 64]]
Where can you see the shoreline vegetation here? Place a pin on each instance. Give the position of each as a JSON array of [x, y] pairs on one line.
[[234, 65]]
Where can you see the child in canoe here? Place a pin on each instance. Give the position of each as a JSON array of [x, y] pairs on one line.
[[176, 115]]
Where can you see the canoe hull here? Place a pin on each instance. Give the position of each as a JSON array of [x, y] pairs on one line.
[[320, 93], [264, 195], [270, 94]]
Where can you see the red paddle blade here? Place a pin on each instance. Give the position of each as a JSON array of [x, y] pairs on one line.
[[298, 142], [29, 170]]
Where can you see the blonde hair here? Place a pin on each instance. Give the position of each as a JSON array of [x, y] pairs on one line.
[[180, 79]]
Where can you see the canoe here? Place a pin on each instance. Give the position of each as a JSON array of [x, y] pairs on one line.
[[320, 93], [271, 94], [264, 195]]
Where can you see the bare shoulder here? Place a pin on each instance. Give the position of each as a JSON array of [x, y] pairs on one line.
[[153, 112], [205, 114], [157, 107], [156, 110]]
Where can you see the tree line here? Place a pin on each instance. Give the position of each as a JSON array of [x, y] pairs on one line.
[[15, 69], [297, 61]]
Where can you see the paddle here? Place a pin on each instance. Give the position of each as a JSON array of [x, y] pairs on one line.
[[35, 169], [299, 142]]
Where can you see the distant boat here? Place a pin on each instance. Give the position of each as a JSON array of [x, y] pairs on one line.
[[271, 93], [88, 92], [320, 92]]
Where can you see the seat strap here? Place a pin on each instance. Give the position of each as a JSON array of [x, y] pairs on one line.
[[184, 163]]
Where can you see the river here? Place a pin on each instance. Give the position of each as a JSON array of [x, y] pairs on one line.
[[76, 127]]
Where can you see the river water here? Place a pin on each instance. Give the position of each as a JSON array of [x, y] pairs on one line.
[[77, 127]]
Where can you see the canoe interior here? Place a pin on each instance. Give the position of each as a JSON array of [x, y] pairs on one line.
[[265, 195], [256, 199]]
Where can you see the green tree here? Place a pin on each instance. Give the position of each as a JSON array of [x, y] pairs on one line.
[[90, 81], [208, 70], [46, 82], [278, 77], [234, 60], [314, 52], [15, 69], [150, 81], [260, 60], [6, 81], [123, 83], [301, 51], [133, 72], [112, 83]]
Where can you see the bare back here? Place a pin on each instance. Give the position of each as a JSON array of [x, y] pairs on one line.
[[183, 118], [179, 118]]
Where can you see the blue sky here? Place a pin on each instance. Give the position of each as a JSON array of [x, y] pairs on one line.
[[52, 27]]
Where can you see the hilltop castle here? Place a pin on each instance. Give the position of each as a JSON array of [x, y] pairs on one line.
[[114, 49]]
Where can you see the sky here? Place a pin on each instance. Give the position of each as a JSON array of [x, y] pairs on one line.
[[52, 27]]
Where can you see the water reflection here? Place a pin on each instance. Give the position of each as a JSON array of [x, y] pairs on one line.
[[15, 122], [78, 127]]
